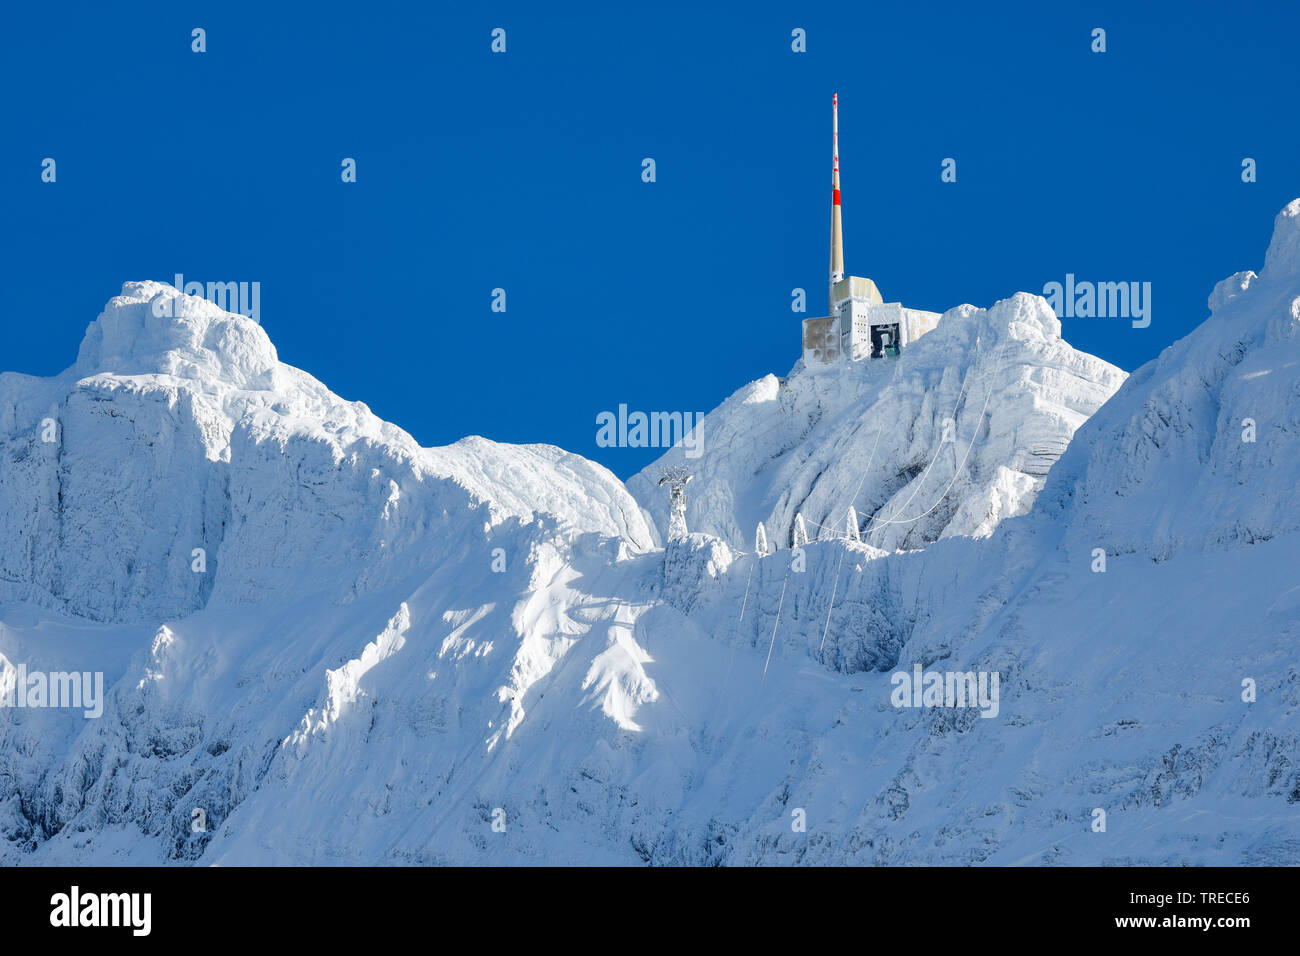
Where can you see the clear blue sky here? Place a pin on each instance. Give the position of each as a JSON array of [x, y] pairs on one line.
[[523, 171]]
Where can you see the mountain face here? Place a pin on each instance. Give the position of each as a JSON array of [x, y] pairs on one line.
[[948, 439], [1198, 450], [478, 654], [179, 429]]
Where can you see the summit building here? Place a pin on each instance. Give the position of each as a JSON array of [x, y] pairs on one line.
[[861, 323]]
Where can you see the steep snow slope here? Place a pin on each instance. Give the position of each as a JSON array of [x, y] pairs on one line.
[[1199, 449], [949, 438], [381, 694], [176, 433]]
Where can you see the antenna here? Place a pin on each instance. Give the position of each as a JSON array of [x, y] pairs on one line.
[[837, 236]]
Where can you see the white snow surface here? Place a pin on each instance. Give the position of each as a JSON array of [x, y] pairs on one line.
[[949, 438], [187, 432], [351, 681]]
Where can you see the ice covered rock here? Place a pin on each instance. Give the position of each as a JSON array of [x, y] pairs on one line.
[[951, 437], [1283, 257], [403, 647], [1197, 449], [153, 329], [178, 462]]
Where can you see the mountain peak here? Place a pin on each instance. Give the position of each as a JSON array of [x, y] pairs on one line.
[[288, 599], [948, 438], [1283, 256], [152, 328]]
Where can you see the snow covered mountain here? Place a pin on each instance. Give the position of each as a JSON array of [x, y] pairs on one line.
[[953, 436], [477, 654], [184, 432]]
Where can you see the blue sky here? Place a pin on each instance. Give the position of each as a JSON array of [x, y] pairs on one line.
[[522, 171]]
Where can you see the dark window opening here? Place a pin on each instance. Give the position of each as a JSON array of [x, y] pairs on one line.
[[884, 340]]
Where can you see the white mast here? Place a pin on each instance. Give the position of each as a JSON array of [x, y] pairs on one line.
[[837, 237]]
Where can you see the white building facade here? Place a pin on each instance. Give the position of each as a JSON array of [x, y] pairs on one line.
[[862, 325]]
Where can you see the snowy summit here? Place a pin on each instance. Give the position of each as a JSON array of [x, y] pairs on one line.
[[331, 645]]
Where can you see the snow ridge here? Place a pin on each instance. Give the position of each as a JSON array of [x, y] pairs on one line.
[[950, 438], [474, 654], [178, 430]]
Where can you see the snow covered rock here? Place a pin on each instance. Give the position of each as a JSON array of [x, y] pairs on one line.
[[954, 435], [471, 655], [1198, 448], [178, 463]]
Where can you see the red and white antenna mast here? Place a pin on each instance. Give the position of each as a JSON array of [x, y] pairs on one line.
[[837, 237]]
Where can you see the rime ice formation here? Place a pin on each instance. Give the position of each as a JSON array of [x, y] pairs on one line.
[[676, 479], [187, 432], [1169, 466], [952, 436], [394, 648]]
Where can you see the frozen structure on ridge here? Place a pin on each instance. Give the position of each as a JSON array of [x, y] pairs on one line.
[[861, 323], [676, 478]]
